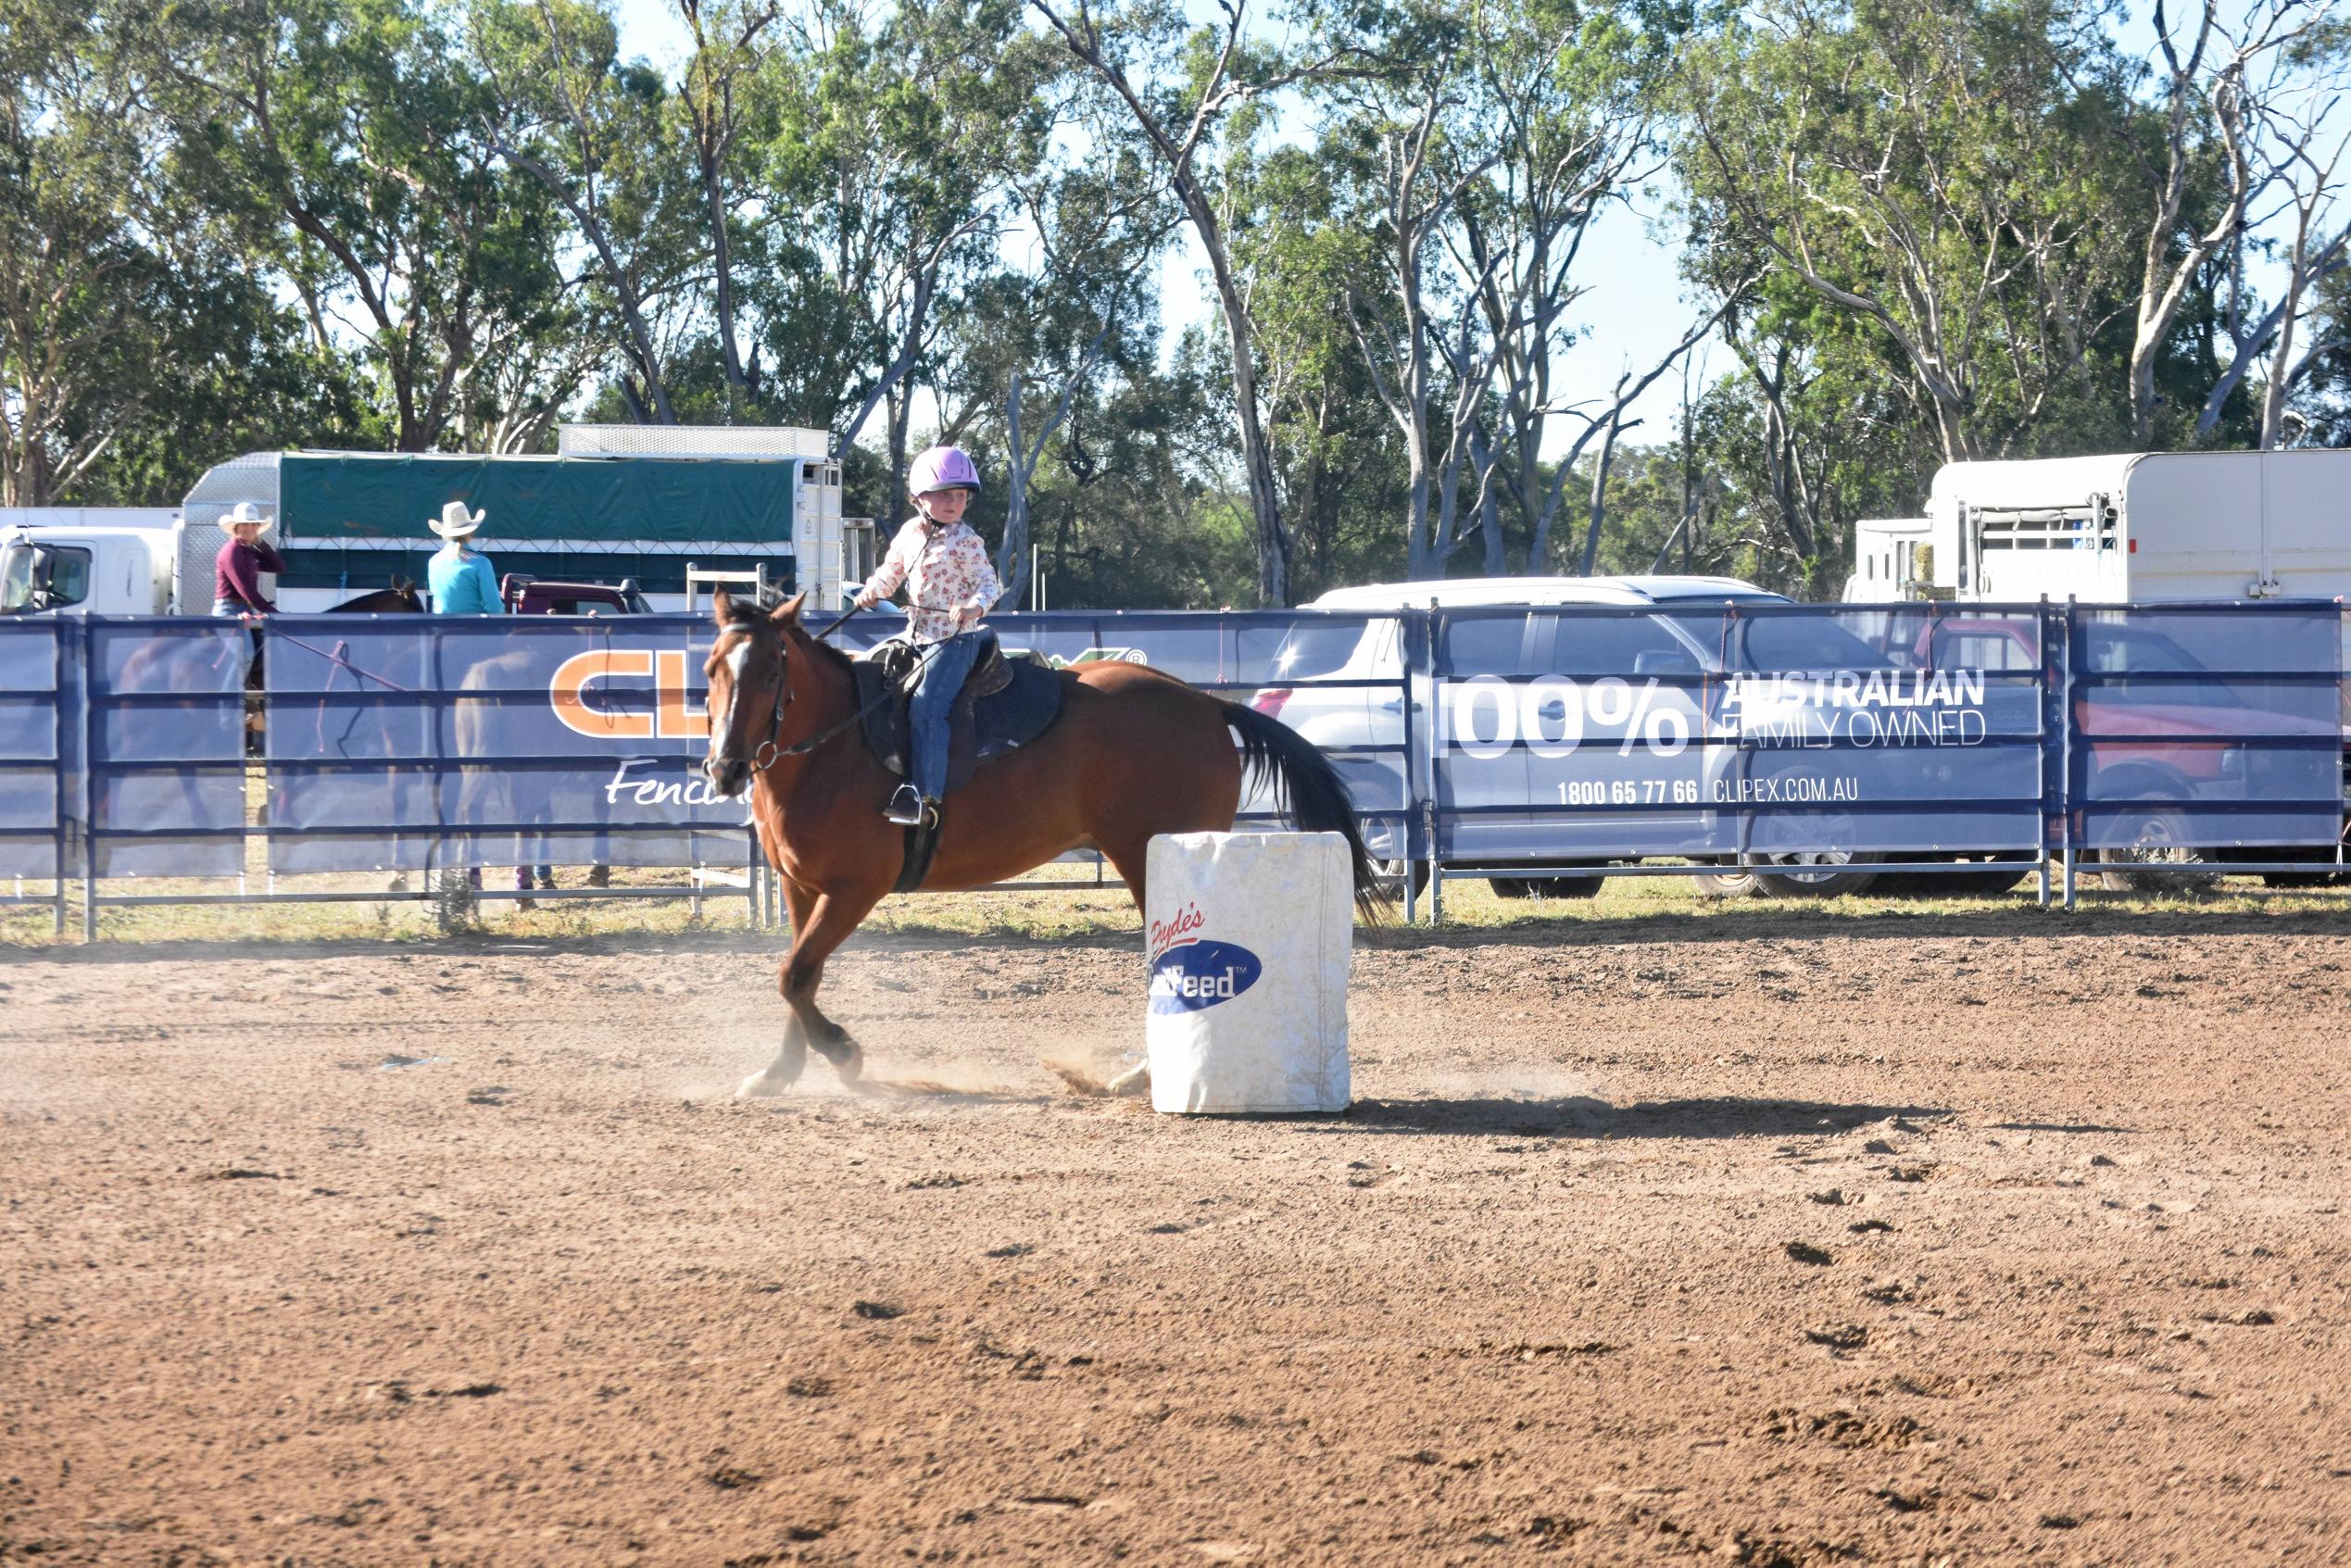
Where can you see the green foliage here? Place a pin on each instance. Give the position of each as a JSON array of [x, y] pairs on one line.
[[422, 224]]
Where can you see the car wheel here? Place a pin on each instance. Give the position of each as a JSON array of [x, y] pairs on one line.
[[1545, 886], [1818, 874], [1807, 884], [1393, 870], [2147, 851]]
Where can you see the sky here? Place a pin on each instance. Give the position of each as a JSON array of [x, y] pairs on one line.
[[1632, 316]]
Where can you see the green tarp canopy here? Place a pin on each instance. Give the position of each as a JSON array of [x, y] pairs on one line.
[[323, 497]]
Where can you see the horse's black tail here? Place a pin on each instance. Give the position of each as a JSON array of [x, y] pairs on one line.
[[1309, 791]]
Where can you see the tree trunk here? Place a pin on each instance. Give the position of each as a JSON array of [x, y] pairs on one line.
[[1257, 463], [1011, 558], [1598, 497]]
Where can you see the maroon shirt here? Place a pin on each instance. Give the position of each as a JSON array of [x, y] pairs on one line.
[[236, 573]]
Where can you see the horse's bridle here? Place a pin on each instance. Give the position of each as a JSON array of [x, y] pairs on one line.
[[765, 757]]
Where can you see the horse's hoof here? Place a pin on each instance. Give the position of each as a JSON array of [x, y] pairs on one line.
[[1135, 1081], [759, 1085], [852, 1065]]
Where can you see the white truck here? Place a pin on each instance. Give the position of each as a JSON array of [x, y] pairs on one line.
[[87, 561], [2132, 528]]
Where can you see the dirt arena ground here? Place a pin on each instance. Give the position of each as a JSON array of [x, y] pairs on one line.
[[1955, 1239]]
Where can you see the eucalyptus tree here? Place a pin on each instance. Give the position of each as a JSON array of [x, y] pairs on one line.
[[85, 281], [724, 106], [1411, 143], [2238, 96], [1034, 340], [1334, 445], [133, 351], [342, 136], [1180, 84], [1943, 172], [562, 108], [2292, 145], [892, 141]]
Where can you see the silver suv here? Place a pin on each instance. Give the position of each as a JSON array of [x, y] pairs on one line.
[[1363, 725]]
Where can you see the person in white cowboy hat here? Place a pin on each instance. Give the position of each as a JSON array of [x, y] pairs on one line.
[[464, 584], [236, 570], [461, 579]]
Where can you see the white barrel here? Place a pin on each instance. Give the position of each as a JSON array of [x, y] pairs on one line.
[[1250, 937]]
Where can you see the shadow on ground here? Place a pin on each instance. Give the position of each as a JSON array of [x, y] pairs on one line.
[[1581, 1117]]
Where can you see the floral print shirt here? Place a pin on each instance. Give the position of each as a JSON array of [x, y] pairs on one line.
[[950, 580]]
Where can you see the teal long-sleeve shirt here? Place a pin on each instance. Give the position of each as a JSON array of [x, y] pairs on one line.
[[462, 584]]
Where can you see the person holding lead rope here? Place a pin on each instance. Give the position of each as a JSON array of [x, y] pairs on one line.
[[949, 586]]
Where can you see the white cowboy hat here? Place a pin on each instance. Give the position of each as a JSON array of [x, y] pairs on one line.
[[246, 512], [455, 522]]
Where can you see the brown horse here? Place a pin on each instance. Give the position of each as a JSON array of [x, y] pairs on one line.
[[1135, 752]]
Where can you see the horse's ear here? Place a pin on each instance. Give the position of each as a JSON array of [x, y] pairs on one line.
[[720, 606], [790, 610]]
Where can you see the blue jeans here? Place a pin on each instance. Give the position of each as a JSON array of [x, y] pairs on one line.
[[944, 669]]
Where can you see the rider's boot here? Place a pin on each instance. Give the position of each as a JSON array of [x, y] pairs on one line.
[[905, 808]]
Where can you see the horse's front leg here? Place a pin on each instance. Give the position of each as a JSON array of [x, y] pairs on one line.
[[836, 913], [785, 1071]]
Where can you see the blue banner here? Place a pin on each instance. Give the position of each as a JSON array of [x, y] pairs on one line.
[[2197, 728], [1590, 734], [403, 743]]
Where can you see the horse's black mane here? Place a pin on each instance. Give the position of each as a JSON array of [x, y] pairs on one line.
[[750, 613], [749, 610]]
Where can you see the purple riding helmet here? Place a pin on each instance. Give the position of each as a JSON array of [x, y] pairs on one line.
[[943, 468]]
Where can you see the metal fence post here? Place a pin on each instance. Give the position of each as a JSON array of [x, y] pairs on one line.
[[1409, 795], [2065, 707], [1430, 810], [89, 790], [2048, 704]]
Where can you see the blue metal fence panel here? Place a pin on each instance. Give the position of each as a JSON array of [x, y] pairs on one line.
[[165, 723], [34, 800], [1601, 732], [1571, 734], [2208, 727]]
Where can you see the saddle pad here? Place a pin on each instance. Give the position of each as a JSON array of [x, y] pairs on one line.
[[978, 728]]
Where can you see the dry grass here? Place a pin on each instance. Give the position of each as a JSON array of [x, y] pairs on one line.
[[1043, 914]]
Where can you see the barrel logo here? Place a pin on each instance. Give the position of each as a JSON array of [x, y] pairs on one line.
[[1196, 975]]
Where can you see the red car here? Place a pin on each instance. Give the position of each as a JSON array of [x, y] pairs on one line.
[[2147, 780], [535, 596]]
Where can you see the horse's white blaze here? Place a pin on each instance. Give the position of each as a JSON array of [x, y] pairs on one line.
[[737, 659]]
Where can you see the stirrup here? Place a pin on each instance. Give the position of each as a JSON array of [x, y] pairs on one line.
[[905, 808]]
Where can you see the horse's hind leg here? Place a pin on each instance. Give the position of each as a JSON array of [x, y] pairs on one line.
[[785, 1071]]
